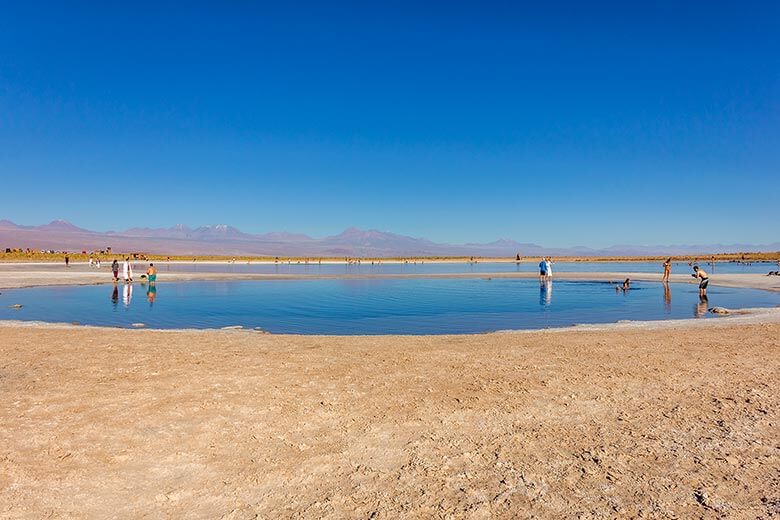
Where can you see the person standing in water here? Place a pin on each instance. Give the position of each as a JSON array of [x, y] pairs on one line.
[[67, 260], [704, 280], [127, 270], [542, 270], [667, 270], [151, 274], [115, 270], [548, 267]]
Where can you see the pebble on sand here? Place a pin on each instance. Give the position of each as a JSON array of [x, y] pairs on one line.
[[232, 327], [719, 310]]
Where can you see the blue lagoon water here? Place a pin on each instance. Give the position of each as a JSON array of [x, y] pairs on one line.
[[422, 268], [371, 306]]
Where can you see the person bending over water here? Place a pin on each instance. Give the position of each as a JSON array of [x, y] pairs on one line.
[[704, 280], [667, 270], [626, 285]]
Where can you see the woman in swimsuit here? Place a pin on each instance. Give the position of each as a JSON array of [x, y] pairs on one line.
[[667, 270], [704, 280]]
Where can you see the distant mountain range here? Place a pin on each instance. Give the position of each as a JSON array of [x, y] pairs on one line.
[[227, 240]]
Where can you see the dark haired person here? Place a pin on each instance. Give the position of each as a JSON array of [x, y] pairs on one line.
[[704, 280], [151, 274], [667, 270], [115, 270]]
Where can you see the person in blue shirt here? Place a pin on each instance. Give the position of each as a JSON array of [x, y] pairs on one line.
[[543, 270]]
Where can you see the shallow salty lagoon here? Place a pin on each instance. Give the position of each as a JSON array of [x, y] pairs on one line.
[[371, 306], [425, 267]]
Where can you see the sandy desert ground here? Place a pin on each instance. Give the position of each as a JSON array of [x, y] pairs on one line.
[[663, 420]]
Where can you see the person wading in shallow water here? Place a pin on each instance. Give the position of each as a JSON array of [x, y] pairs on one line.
[[127, 271], [667, 270], [699, 274], [115, 270], [151, 274]]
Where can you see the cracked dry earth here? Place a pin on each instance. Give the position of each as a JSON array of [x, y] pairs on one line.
[[671, 423]]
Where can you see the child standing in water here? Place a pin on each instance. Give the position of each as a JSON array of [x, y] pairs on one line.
[[704, 280], [667, 270]]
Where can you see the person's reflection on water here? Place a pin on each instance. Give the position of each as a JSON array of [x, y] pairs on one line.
[[151, 294], [545, 293], [127, 294], [115, 296], [701, 308], [667, 298]]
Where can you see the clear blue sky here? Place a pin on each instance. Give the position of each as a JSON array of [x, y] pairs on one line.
[[581, 123]]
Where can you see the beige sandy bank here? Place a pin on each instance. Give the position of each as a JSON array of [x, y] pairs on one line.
[[678, 422]]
